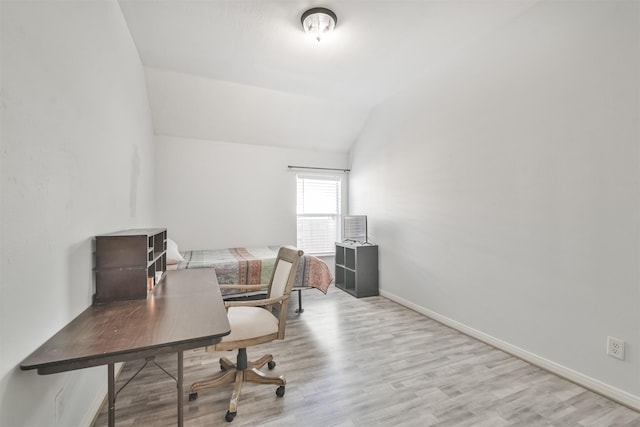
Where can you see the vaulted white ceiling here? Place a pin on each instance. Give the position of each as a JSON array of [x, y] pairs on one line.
[[244, 71]]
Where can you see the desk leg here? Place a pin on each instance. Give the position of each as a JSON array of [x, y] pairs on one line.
[[111, 389], [180, 369]]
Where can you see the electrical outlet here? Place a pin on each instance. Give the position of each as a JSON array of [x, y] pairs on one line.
[[615, 348], [59, 406]]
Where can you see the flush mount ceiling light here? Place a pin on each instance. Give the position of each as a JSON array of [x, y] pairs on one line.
[[318, 22]]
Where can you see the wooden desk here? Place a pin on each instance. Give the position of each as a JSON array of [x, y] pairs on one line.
[[184, 312]]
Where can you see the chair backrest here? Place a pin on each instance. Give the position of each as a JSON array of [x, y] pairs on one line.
[[282, 280], [284, 271]]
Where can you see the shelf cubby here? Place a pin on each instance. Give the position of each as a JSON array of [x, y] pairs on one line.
[[129, 264], [357, 269]]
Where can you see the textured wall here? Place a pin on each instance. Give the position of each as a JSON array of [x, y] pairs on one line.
[[213, 194], [504, 190], [77, 160]]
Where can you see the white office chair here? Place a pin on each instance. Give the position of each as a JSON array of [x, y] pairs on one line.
[[252, 323]]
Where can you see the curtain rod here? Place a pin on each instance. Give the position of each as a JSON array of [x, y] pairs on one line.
[[323, 169]]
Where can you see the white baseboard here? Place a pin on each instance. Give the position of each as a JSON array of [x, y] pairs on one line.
[[585, 381]]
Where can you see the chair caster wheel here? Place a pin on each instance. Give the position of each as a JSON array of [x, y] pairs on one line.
[[280, 391], [193, 396], [271, 365], [230, 416]]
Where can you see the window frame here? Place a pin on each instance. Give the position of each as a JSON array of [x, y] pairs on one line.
[[340, 179]]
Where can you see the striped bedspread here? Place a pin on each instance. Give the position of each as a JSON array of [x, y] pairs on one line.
[[253, 266]]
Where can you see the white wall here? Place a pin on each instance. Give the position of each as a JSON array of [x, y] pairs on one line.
[[197, 107], [213, 194], [504, 190], [77, 160]]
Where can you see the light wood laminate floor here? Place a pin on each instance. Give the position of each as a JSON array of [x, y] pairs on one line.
[[370, 362]]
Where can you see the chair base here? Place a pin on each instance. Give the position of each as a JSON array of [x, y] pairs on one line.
[[238, 373]]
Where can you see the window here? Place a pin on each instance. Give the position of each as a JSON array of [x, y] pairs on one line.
[[319, 202]]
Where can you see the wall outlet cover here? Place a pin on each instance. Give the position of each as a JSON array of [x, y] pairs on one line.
[[615, 348]]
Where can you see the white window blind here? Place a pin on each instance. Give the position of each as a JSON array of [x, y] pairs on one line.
[[318, 210]]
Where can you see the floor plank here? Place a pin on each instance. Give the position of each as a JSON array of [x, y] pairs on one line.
[[370, 362]]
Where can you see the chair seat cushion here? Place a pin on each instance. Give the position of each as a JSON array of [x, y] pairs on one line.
[[250, 322]]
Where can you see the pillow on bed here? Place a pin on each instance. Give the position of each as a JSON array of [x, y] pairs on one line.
[[173, 254]]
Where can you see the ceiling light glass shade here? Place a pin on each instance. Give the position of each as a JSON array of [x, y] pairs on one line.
[[318, 22]]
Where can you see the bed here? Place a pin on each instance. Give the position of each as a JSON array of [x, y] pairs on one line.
[[253, 266]]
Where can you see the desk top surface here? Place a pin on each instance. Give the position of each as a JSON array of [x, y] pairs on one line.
[[184, 311]]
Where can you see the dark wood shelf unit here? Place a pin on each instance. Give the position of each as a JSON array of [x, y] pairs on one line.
[[129, 263]]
